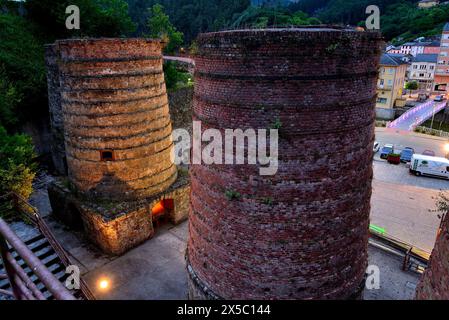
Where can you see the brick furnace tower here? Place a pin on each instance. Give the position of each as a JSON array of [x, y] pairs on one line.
[[434, 283], [117, 133], [302, 233]]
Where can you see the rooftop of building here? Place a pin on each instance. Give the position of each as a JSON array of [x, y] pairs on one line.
[[390, 59], [431, 58]]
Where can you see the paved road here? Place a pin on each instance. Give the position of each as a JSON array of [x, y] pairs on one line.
[[400, 201], [403, 211], [419, 142], [417, 115]]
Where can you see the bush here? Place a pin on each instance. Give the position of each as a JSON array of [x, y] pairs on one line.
[[175, 78], [23, 90], [17, 167], [232, 195]]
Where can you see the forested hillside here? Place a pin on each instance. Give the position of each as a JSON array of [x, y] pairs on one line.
[[401, 20], [190, 16], [24, 29]]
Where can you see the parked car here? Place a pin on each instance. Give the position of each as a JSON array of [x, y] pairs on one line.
[[394, 158], [429, 166], [429, 153], [386, 150], [423, 97], [439, 98], [407, 154], [376, 147]]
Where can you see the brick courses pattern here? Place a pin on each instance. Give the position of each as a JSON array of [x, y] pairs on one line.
[[302, 233], [109, 95], [114, 98]]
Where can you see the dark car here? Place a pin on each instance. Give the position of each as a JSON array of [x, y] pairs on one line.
[[428, 153], [407, 154], [386, 151]]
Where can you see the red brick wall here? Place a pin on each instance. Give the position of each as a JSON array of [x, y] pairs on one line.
[[301, 234], [434, 283]]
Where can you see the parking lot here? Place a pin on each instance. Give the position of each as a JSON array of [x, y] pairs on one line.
[[401, 202]]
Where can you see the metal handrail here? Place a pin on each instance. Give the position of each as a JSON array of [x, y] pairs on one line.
[[23, 287], [34, 215], [405, 250], [31, 213]]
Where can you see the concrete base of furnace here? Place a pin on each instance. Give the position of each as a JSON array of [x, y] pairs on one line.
[[198, 290], [116, 227]]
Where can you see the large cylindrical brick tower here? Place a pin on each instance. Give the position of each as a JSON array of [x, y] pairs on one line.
[[434, 283], [116, 117], [301, 233], [118, 141]]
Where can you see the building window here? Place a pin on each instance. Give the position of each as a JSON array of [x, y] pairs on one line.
[[382, 100], [107, 155]]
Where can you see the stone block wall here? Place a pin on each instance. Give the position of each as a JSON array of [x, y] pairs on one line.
[[55, 109], [116, 227]]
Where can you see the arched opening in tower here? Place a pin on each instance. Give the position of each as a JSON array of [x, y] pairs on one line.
[[161, 212]]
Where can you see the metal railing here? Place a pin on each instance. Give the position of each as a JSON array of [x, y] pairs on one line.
[[23, 288], [414, 258], [21, 284]]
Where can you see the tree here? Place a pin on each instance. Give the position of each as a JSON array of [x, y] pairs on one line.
[[441, 204], [22, 71], [190, 16], [17, 168], [99, 18], [263, 17], [412, 85], [161, 27]]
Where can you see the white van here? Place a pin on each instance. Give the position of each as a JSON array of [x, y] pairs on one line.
[[429, 166]]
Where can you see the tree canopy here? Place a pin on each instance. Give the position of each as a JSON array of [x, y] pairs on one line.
[[161, 27]]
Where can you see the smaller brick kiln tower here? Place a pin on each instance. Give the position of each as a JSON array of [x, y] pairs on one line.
[[117, 140], [434, 283], [302, 233]]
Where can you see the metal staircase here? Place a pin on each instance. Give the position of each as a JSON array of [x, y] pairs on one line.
[[34, 269]]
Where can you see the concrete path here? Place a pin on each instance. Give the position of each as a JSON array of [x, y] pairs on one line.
[[180, 59]]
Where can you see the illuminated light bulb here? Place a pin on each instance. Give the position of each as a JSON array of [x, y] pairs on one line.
[[103, 284]]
